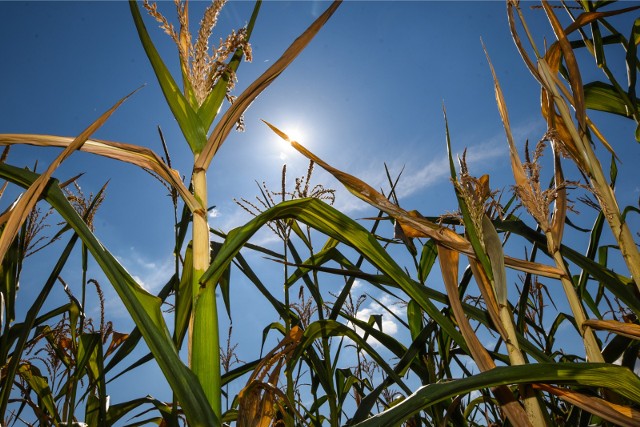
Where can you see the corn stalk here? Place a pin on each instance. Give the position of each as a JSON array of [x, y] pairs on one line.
[[574, 139]]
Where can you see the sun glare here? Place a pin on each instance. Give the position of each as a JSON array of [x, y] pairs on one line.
[[295, 133]]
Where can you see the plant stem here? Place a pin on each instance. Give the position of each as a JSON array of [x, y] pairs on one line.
[[590, 343], [590, 164], [289, 420], [531, 405], [204, 342]]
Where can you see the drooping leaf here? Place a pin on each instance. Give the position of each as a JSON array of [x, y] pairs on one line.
[[23, 207], [426, 228], [235, 111], [602, 96], [616, 378], [618, 414], [143, 307], [331, 222], [129, 153]]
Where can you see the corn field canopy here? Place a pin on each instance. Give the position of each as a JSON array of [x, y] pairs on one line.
[[319, 213]]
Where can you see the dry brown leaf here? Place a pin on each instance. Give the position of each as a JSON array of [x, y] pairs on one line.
[[408, 230], [117, 339], [449, 260], [488, 295], [235, 111], [630, 330], [575, 78], [129, 153], [516, 165], [601, 137], [586, 18], [618, 414], [516, 38], [411, 223], [260, 399], [29, 199]]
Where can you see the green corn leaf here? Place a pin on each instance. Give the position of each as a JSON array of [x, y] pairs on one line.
[[184, 297], [119, 410], [406, 357], [594, 240], [414, 315], [134, 336], [632, 62], [240, 371], [224, 283], [188, 120], [87, 354], [311, 284], [331, 328], [617, 378], [604, 97], [493, 246], [143, 308], [344, 382], [90, 354], [29, 322], [9, 272], [92, 411], [246, 269], [141, 361], [427, 259], [32, 376], [333, 223], [598, 45]]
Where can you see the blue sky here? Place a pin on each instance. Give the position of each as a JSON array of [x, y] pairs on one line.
[[368, 90]]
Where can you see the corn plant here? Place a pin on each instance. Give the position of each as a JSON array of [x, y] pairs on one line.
[[207, 79]]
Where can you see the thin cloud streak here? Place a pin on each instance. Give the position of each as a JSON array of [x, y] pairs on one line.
[[416, 178]]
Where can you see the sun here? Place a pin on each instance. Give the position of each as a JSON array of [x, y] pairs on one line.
[[295, 132]]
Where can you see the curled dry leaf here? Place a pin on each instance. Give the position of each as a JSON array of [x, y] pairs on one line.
[[412, 224], [630, 330], [516, 164], [618, 414], [449, 260], [117, 339], [29, 199], [129, 153], [260, 400], [235, 111]]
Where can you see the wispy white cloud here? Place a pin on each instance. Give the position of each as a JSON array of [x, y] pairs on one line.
[[421, 172], [389, 323], [149, 273]]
